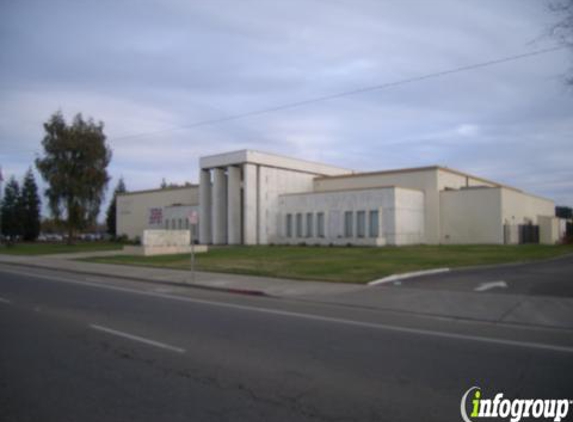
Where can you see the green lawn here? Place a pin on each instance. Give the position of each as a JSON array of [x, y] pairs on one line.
[[349, 264], [38, 248]]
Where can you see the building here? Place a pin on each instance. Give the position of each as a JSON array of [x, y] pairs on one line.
[[254, 198]]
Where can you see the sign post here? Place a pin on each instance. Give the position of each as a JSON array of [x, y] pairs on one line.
[[193, 218]]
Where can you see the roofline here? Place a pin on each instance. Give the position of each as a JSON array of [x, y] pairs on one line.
[[421, 169], [169, 188], [496, 184], [273, 154], [351, 190], [381, 172]]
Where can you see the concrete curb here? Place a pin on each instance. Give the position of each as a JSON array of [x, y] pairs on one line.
[[396, 277], [248, 292]]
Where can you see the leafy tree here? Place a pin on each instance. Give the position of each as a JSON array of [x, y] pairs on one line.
[[11, 210], [30, 206], [112, 209], [74, 164]]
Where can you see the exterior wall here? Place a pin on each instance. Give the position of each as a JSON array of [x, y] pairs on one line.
[[270, 160], [522, 208], [133, 208], [492, 215], [549, 230], [274, 182], [453, 180], [425, 180], [249, 215], [471, 216], [176, 218], [400, 216]]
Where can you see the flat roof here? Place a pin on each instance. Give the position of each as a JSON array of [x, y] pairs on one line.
[[325, 192], [418, 170], [169, 188], [270, 160]]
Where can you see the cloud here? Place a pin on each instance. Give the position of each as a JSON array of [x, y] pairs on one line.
[[146, 67]]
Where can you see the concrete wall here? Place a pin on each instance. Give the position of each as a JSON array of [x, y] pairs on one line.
[[492, 215], [269, 160], [177, 218], [522, 208], [133, 209], [425, 180], [471, 216], [549, 230], [274, 182], [400, 216]]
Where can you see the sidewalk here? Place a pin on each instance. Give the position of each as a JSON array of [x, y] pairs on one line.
[[539, 311]]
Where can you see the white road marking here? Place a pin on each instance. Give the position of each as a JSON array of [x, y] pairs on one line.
[[404, 276], [5, 300], [137, 338], [384, 327], [491, 285]]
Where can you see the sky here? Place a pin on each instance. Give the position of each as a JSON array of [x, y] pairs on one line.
[[148, 69]]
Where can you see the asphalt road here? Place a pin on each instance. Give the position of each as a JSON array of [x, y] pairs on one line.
[[544, 278], [74, 348]]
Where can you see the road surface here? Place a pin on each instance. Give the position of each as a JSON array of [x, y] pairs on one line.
[[79, 348]]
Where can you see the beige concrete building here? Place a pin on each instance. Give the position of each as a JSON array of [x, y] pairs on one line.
[[249, 197]]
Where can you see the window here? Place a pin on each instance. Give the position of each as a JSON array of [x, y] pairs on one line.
[[180, 224], [299, 225], [173, 224], [289, 225], [374, 230], [320, 224], [348, 224], [186, 224], [166, 224], [361, 223], [309, 228]]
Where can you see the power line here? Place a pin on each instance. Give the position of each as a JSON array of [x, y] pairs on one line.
[[347, 93]]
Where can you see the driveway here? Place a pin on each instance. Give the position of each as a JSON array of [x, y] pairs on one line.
[[545, 278]]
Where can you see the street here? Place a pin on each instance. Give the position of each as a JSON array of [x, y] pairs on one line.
[[75, 347]]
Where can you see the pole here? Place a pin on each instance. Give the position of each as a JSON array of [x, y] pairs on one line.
[[193, 228]]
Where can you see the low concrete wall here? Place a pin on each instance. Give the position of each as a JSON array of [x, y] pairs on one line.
[[165, 242]]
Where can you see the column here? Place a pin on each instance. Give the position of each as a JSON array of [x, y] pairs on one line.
[[234, 205], [205, 207], [250, 204], [219, 223]]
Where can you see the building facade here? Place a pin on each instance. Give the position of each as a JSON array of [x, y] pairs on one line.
[[254, 198]]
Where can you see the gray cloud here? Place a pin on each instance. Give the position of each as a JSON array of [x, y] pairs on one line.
[[148, 66]]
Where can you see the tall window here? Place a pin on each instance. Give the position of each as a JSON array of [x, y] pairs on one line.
[[309, 228], [348, 232], [172, 224], [320, 224], [361, 223], [166, 224], [179, 224], [289, 225], [374, 228], [299, 225]]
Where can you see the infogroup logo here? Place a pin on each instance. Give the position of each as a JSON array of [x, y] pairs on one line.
[[515, 410]]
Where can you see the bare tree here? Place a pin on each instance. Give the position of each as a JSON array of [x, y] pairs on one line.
[[562, 31]]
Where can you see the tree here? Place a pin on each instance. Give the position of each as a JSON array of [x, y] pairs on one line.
[[112, 209], [74, 164], [11, 210], [163, 184], [563, 29], [564, 212], [30, 207]]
